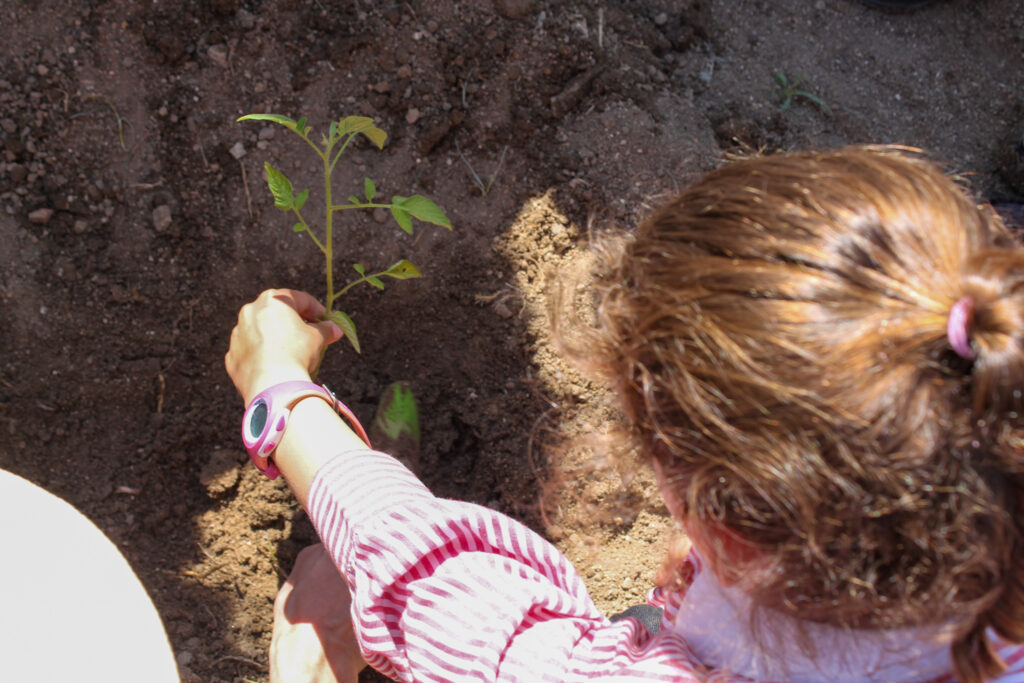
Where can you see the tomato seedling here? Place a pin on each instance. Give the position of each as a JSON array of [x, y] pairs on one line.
[[332, 145]]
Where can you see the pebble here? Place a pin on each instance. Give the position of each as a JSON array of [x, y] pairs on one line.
[[8, 125], [502, 309], [245, 19], [267, 133], [218, 54], [380, 215], [238, 150], [412, 116], [661, 19], [162, 217], [81, 227], [187, 675], [185, 658], [41, 216]]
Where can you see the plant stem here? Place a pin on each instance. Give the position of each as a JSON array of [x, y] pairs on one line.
[[312, 236], [365, 278], [342, 207], [315, 148], [328, 244], [329, 237], [340, 151]]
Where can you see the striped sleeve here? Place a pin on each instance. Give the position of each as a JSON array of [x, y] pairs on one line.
[[445, 590]]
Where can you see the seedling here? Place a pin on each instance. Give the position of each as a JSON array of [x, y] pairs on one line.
[[787, 91], [339, 135]]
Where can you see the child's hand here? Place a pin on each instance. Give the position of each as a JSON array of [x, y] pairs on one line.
[[277, 339], [313, 637]]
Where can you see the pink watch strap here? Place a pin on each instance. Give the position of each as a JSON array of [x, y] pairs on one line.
[[276, 403]]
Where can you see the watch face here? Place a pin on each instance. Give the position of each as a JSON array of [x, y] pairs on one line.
[[258, 419]]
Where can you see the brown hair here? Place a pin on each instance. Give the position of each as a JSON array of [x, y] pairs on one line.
[[777, 337]]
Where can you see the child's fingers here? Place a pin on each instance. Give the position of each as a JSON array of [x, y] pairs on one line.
[[305, 305], [328, 330]]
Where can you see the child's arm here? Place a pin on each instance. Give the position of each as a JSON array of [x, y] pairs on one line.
[[441, 590], [278, 339]]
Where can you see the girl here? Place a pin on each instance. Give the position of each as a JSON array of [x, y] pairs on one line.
[[821, 355]]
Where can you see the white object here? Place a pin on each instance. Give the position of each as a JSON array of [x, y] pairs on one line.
[[71, 608]]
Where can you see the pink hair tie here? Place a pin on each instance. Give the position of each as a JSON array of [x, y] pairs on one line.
[[958, 327]]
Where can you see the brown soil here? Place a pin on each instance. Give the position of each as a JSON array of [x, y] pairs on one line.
[[130, 235]]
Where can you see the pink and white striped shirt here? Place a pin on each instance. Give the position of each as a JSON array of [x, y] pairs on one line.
[[450, 591]]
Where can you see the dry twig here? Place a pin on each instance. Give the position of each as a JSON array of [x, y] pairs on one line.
[[242, 660], [245, 184]]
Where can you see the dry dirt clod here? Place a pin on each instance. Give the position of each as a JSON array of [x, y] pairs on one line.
[[220, 473], [513, 9], [245, 19], [218, 54], [40, 216], [571, 95], [162, 218]]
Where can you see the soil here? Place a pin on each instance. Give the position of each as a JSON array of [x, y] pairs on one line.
[[135, 223]]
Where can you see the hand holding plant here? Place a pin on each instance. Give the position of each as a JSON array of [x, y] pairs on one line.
[[339, 135]]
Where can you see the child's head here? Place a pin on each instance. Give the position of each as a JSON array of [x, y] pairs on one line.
[[781, 341]]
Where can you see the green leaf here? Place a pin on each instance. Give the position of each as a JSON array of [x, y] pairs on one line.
[[375, 281], [359, 268], [280, 187], [403, 270], [426, 211], [353, 200], [288, 123], [300, 199], [402, 218], [332, 129], [342, 320], [300, 126], [369, 189], [298, 227], [351, 125], [397, 414], [376, 136]]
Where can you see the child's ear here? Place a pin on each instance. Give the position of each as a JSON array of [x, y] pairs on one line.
[[731, 558], [669, 491]]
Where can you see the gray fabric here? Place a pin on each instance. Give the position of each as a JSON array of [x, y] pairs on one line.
[[648, 615]]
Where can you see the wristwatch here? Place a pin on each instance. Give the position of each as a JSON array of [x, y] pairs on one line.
[[266, 417]]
